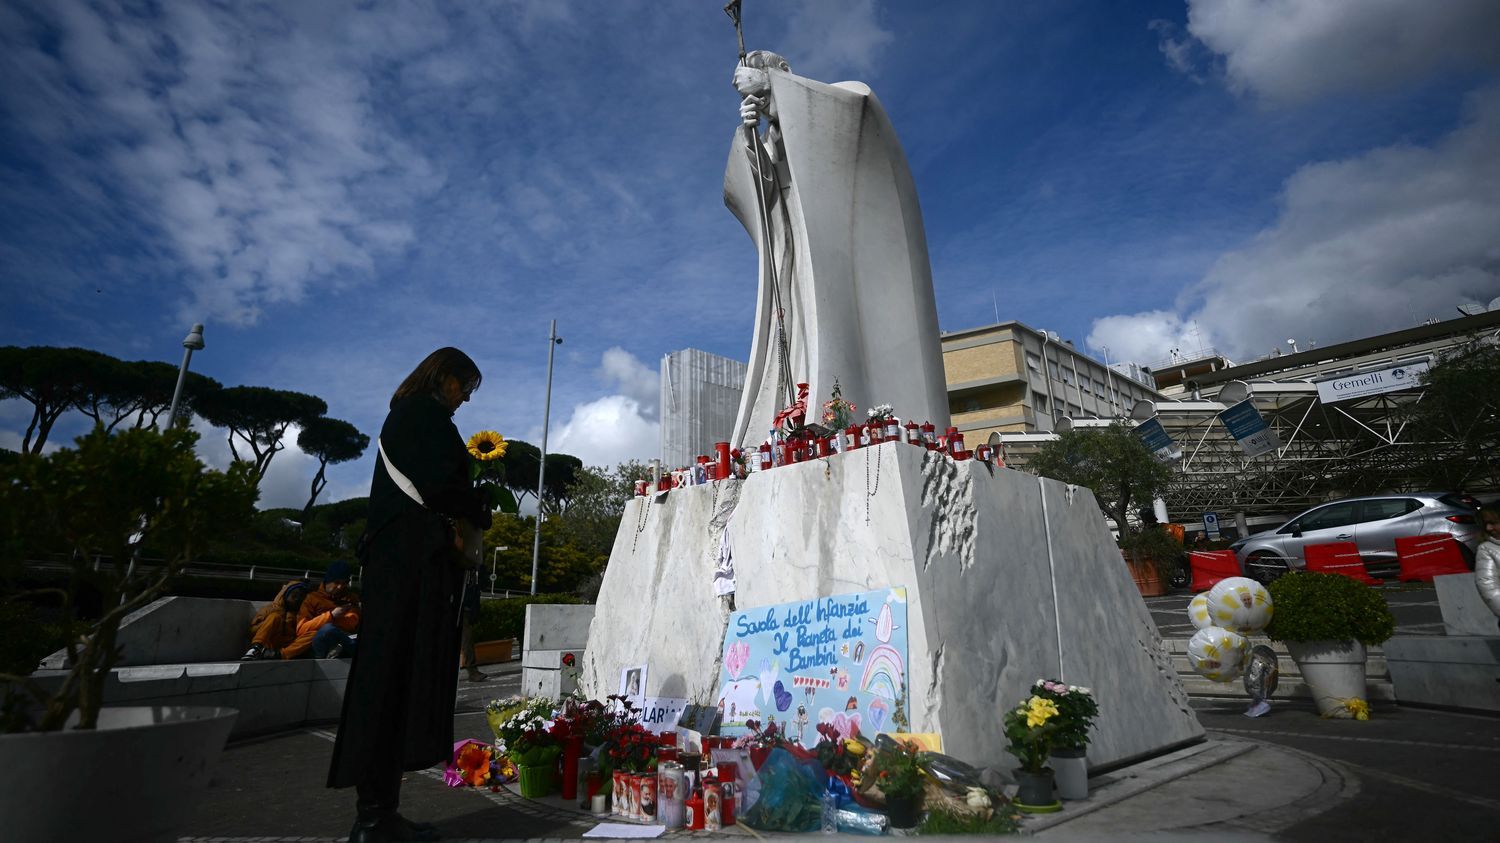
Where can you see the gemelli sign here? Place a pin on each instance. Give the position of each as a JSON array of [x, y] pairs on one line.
[[1374, 382]]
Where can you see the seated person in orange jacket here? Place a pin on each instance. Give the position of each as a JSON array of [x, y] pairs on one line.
[[327, 618], [275, 625]]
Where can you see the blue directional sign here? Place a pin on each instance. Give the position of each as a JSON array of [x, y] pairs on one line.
[[1245, 424], [1155, 437]]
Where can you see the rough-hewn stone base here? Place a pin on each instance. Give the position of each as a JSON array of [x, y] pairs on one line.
[[1009, 578]]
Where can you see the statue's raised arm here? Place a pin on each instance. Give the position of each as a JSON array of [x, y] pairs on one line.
[[845, 286]]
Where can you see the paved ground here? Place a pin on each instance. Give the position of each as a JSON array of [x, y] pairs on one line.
[[1407, 774]]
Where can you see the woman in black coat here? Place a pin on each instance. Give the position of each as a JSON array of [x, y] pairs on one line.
[[398, 703]]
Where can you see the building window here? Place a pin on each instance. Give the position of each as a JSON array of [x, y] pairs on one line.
[[1034, 362]]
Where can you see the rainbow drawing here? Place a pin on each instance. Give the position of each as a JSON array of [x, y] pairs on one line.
[[885, 673]]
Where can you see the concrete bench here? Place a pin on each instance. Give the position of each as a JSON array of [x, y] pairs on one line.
[[186, 650]]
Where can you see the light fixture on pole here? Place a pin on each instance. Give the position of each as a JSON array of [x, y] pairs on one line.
[[553, 341], [192, 342]]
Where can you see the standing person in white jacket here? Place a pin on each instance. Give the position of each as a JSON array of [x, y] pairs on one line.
[[1487, 559]]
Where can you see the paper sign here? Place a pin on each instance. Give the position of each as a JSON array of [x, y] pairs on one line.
[[839, 660], [660, 714]]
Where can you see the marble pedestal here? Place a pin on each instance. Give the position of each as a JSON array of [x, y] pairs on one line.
[[1010, 578]]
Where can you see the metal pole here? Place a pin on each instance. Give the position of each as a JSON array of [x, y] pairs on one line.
[[541, 473], [193, 341]]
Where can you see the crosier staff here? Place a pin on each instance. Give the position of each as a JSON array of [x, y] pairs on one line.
[[762, 159]]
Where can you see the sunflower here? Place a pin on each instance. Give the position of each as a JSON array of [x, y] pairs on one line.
[[487, 445]]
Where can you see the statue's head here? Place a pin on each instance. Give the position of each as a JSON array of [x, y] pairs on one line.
[[766, 60]]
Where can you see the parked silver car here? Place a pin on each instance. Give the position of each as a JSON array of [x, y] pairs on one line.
[[1374, 523]]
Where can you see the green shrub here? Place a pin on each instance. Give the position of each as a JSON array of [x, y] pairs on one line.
[[1327, 607], [501, 619]]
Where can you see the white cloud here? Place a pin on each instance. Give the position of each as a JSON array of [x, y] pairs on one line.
[[1365, 245], [608, 431], [633, 379], [1292, 51], [826, 39], [1146, 337], [288, 481], [254, 150]]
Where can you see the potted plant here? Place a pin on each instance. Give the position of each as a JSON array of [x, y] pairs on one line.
[[1326, 621], [1030, 728], [1076, 710], [1153, 556], [897, 770], [535, 752], [137, 506]]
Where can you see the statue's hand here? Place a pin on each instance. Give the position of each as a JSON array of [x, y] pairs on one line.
[[751, 109], [752, 81]]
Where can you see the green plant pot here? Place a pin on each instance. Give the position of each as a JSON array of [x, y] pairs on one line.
[[904, 811], [1034, 792], [536, 781]]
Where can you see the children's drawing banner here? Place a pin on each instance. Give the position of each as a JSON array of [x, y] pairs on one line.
[[839, 660]]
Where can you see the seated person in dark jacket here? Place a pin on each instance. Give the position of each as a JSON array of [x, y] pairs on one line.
[[327, 618]]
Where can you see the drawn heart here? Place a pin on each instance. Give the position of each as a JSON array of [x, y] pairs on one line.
[[768, 674], [736, 658], [847, 725], [783, 696], [878, 712]]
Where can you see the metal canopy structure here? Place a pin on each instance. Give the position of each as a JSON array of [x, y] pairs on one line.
[[1325, 450]]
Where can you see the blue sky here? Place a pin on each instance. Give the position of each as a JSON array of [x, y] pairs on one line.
[[335, 190]]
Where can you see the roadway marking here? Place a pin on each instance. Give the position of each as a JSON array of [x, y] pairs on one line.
[[1492, 804], [1314, 736]]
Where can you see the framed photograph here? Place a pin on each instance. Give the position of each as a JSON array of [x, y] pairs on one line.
[[633, 681]]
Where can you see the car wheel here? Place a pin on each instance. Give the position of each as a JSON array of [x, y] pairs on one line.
[[1265, 567]]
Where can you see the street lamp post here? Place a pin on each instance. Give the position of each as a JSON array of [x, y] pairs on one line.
[[192, 342], [553, 342]]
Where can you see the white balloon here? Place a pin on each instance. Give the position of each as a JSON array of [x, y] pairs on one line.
[[1217, 654], [1240, 604], [1198, 611]]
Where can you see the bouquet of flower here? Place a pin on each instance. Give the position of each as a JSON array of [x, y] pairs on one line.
[[486, 450], [838, 413], [536, 746], [470, 765], [632, 749], [839, 756], [1076, 710], [509, 718], [759, 738], [880, 412], [1031, 727]]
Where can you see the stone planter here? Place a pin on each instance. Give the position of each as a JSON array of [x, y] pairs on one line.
[[135, 778], [1333, 670], [492, 652]]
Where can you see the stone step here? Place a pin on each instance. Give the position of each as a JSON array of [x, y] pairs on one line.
[[1289, 678], [1287, 687], [1375, 668]]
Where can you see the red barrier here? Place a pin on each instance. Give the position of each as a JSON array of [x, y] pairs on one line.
[[1338, 558], [1210, 566], [1425, 557]]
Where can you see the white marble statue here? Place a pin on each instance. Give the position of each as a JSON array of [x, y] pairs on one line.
[[845, 286]]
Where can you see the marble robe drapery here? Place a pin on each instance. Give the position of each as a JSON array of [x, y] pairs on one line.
[[857, 286]]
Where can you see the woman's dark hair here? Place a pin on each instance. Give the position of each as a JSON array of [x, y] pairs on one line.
[[427, 378]]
